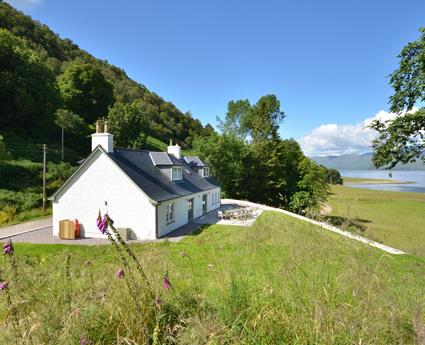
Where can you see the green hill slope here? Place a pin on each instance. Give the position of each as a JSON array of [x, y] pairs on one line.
[[55, 55]]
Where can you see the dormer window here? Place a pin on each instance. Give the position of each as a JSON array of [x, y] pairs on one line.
[[177, 173], [205, 172]]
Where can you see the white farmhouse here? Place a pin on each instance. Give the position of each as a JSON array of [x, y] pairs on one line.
[[150, 193]]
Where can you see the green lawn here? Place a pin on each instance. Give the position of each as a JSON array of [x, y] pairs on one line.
[[393, 218], [282, 281]]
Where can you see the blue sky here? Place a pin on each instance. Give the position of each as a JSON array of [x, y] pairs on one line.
[[327, 61]]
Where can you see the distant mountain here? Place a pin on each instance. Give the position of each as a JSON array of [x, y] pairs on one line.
[[359, 162]]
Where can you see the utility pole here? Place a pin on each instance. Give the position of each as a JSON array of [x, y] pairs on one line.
[[44, 175], [62, 142]]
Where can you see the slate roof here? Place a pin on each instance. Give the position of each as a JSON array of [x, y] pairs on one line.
[[138, 165], [194, 161], [160, 158]]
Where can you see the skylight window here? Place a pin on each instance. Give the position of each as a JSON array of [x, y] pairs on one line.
[[177, 173]]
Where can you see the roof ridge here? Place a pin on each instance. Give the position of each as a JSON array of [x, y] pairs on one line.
[[135, 150]]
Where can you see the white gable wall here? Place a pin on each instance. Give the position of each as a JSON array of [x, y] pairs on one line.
[[101, 181], [181, 210]]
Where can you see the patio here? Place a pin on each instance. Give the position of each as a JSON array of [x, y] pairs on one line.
[[231, 214]]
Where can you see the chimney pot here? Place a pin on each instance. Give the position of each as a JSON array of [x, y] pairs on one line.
[[171, 142], [97, 126], [106, 127]]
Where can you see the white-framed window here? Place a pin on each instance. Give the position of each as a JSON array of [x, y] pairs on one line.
[[169, 213], [176, 173], [206, 172]]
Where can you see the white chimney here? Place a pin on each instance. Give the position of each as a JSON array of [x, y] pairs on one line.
[[104, 139], [174, 150]]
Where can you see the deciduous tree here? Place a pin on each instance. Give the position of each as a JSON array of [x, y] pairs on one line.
[[85, 91], [402, 139]]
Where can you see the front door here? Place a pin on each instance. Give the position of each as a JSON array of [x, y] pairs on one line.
[[190, 209], [204, 204]]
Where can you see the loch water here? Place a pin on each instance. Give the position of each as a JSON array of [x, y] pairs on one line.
[[417, 177]]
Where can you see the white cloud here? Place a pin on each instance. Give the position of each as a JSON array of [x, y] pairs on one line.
[[25, 4], [334, 139]]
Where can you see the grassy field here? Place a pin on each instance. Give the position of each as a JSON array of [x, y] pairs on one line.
[[282, 281], [393, 218], [354, 180]]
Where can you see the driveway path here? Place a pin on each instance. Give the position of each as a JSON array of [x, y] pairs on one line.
[[23, 228]]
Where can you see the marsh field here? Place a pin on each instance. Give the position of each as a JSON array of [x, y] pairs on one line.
[[281, 281], [396, 219]]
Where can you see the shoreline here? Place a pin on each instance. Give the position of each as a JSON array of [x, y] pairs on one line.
[[350, 181]]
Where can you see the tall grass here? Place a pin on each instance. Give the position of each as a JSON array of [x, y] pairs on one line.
[[281, 281]]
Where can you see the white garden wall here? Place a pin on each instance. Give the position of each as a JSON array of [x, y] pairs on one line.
[[97, 182]]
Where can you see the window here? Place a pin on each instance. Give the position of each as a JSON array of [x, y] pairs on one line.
[[169, 213], [205, 172], [177, 173]]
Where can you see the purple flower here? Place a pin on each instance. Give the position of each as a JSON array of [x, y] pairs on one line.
[[8, 248], [3, 286], [120, 273], [166, 283], [102, 224]]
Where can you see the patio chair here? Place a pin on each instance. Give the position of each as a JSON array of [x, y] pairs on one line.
[[220, 215]]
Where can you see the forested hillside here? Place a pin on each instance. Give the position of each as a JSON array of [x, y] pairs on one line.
[[49, 83]]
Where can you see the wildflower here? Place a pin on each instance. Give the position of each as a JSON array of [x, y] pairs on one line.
[[166, 282], [102, 224], [8, 248], [3, 286], [120, 273]]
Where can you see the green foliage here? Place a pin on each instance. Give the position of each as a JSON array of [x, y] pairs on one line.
[[251, 162], [21, 201], [71, 122], [4, 154], [32, 55], [128, 125], [401, 140], [85, 91], [313, 189], [228, 158], [408, 81], [28, 92], [274, 171], [57, 174], [18, 175], [21, 187], [333, 177], [258, 122]]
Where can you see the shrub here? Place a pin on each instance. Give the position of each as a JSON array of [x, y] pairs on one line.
[[22, 201], [7, 214], [18, 175]]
